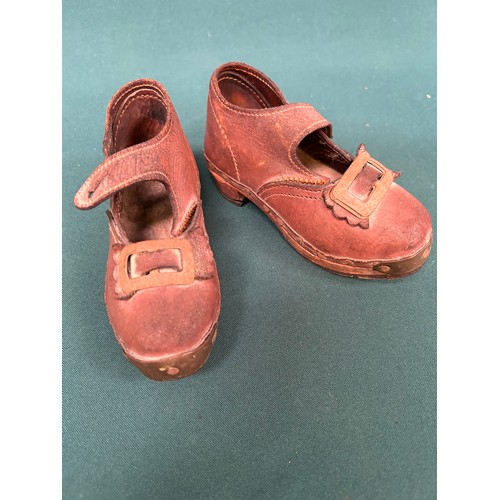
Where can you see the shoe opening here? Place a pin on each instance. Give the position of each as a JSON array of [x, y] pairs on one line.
[[242, 87], [140, 115]]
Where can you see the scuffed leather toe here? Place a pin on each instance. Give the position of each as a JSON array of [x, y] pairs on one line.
[[161, 322], [400, 227]]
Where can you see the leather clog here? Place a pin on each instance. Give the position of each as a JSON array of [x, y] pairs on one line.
[[345, 213], [162, 290]]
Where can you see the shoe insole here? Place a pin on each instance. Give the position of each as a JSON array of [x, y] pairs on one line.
[[146, 212]]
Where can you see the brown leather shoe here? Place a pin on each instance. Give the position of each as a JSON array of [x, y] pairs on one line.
[[162, 290], [341, 212]]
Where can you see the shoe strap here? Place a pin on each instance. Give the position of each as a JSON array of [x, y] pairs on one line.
[[166, 158], [284, 126]]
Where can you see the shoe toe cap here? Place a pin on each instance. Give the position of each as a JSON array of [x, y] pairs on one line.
[[164, 321]]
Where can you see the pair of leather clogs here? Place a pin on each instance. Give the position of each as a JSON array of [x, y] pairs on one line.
[[341, 212]]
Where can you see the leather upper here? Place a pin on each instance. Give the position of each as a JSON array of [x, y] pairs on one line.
[[341, 205], [162, 290]]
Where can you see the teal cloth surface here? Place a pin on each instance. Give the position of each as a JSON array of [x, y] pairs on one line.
[[319, 386]]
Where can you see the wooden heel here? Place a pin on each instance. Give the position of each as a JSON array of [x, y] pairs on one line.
[[228, 191]]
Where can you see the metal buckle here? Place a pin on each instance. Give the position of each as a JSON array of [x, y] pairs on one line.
[[155, 277], [341, 195]]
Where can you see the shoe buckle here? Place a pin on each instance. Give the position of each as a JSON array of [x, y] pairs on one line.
[[156, 277], [341, 195]]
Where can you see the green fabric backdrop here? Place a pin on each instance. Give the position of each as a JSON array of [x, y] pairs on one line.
[[318, 386]]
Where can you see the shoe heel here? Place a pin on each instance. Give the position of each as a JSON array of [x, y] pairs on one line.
[[228, 191]]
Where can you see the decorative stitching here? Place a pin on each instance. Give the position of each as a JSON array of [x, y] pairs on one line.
[[188, 218], [303, 243], [248, 87], [267, 111], [255, 76], [144, 86], [119, 204], [300, 180], [274, 184], [225, 137], [292, 196], [272, 214]]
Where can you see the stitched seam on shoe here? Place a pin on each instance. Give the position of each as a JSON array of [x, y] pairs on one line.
[[248, 87], [188, 217], [120, 118], [304, 243], [301, 180], [267, 111], [255, 76], [290, 231], [226, 139], [144, 86], [292, 196], [259, 113], [274, 185], [119, 205]]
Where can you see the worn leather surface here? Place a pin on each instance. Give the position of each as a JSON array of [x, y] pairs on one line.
[[318, 386], [242, 99], [162, 291]]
